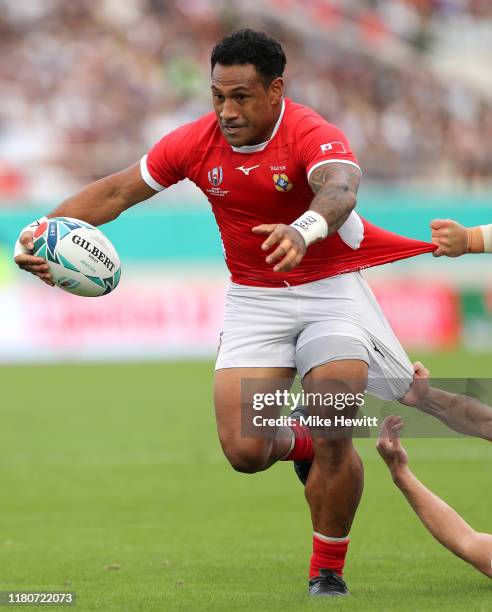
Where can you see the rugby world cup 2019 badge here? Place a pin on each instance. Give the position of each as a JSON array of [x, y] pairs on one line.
[[215, 178], [282, 183]]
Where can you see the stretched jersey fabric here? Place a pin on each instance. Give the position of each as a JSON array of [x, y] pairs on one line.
[[268, 183]]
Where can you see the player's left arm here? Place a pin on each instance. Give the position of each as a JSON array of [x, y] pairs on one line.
[[335, 186], [333, 174]]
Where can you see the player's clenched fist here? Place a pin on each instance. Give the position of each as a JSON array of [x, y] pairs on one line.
[[450, 237], [24, 258], [291, 246]]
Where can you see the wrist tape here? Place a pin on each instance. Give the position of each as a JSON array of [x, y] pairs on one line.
[[487, 238], [312, 226]]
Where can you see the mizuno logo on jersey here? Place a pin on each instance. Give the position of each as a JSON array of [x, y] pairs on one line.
[[247, 170]]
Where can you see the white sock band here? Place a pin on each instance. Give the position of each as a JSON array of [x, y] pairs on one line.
[[487, 238], [324, 538], [312, 226]]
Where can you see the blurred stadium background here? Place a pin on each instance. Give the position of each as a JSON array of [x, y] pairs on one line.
[[87, 87]]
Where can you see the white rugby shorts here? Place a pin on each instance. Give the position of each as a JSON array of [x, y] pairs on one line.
[[307, 325]]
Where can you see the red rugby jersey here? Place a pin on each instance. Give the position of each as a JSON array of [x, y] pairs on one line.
[[268, 183]]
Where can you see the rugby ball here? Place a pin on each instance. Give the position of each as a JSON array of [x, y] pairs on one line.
[[81, 259]]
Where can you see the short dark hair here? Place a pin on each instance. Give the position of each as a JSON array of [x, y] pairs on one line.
[[250, 47]]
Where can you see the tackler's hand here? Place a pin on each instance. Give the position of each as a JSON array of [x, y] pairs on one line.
[[389, 445], [450, 237], [419, 388]]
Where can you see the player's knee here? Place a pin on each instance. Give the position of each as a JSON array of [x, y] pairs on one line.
[[246, 463], [247, 459]]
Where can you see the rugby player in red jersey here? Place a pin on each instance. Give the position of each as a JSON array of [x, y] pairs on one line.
[[282, 183]]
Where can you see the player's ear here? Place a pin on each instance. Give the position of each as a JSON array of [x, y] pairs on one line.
[[276, 90]]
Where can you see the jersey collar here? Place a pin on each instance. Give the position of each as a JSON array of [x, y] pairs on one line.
[[260, 147]]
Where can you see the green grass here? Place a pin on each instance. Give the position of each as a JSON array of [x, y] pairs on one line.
[[118, 466]]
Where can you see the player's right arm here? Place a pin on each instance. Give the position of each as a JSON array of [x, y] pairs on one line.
[[99, 203], [453, 239], [104, 200], [444, 523]]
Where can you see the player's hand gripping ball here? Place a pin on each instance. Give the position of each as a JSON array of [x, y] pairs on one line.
[[81, 259]]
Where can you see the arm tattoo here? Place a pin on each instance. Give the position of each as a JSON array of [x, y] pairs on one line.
[[319, 177], [335, 186]]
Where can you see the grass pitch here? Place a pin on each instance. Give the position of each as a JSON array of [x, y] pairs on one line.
[[113, 486]]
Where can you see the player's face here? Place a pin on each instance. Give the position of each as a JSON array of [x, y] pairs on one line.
[[246, 110]]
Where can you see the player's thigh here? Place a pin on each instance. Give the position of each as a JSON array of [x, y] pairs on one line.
[[334, 392], [234, 392], [259, 330], [336, 387], [354, 314], [256, 355], [390, 369]]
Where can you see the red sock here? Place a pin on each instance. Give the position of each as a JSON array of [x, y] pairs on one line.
[[328, 555], [303, 445]]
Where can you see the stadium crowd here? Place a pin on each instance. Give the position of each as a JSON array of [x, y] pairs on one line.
[[87, 86]]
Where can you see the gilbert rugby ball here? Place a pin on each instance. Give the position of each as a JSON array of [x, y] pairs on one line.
[[80, 257]]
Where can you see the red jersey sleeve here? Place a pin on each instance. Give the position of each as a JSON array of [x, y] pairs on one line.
[[320, 142], [167, 162]]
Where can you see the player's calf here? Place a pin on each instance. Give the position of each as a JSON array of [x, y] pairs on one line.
[[331, 453], [334, 487]]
